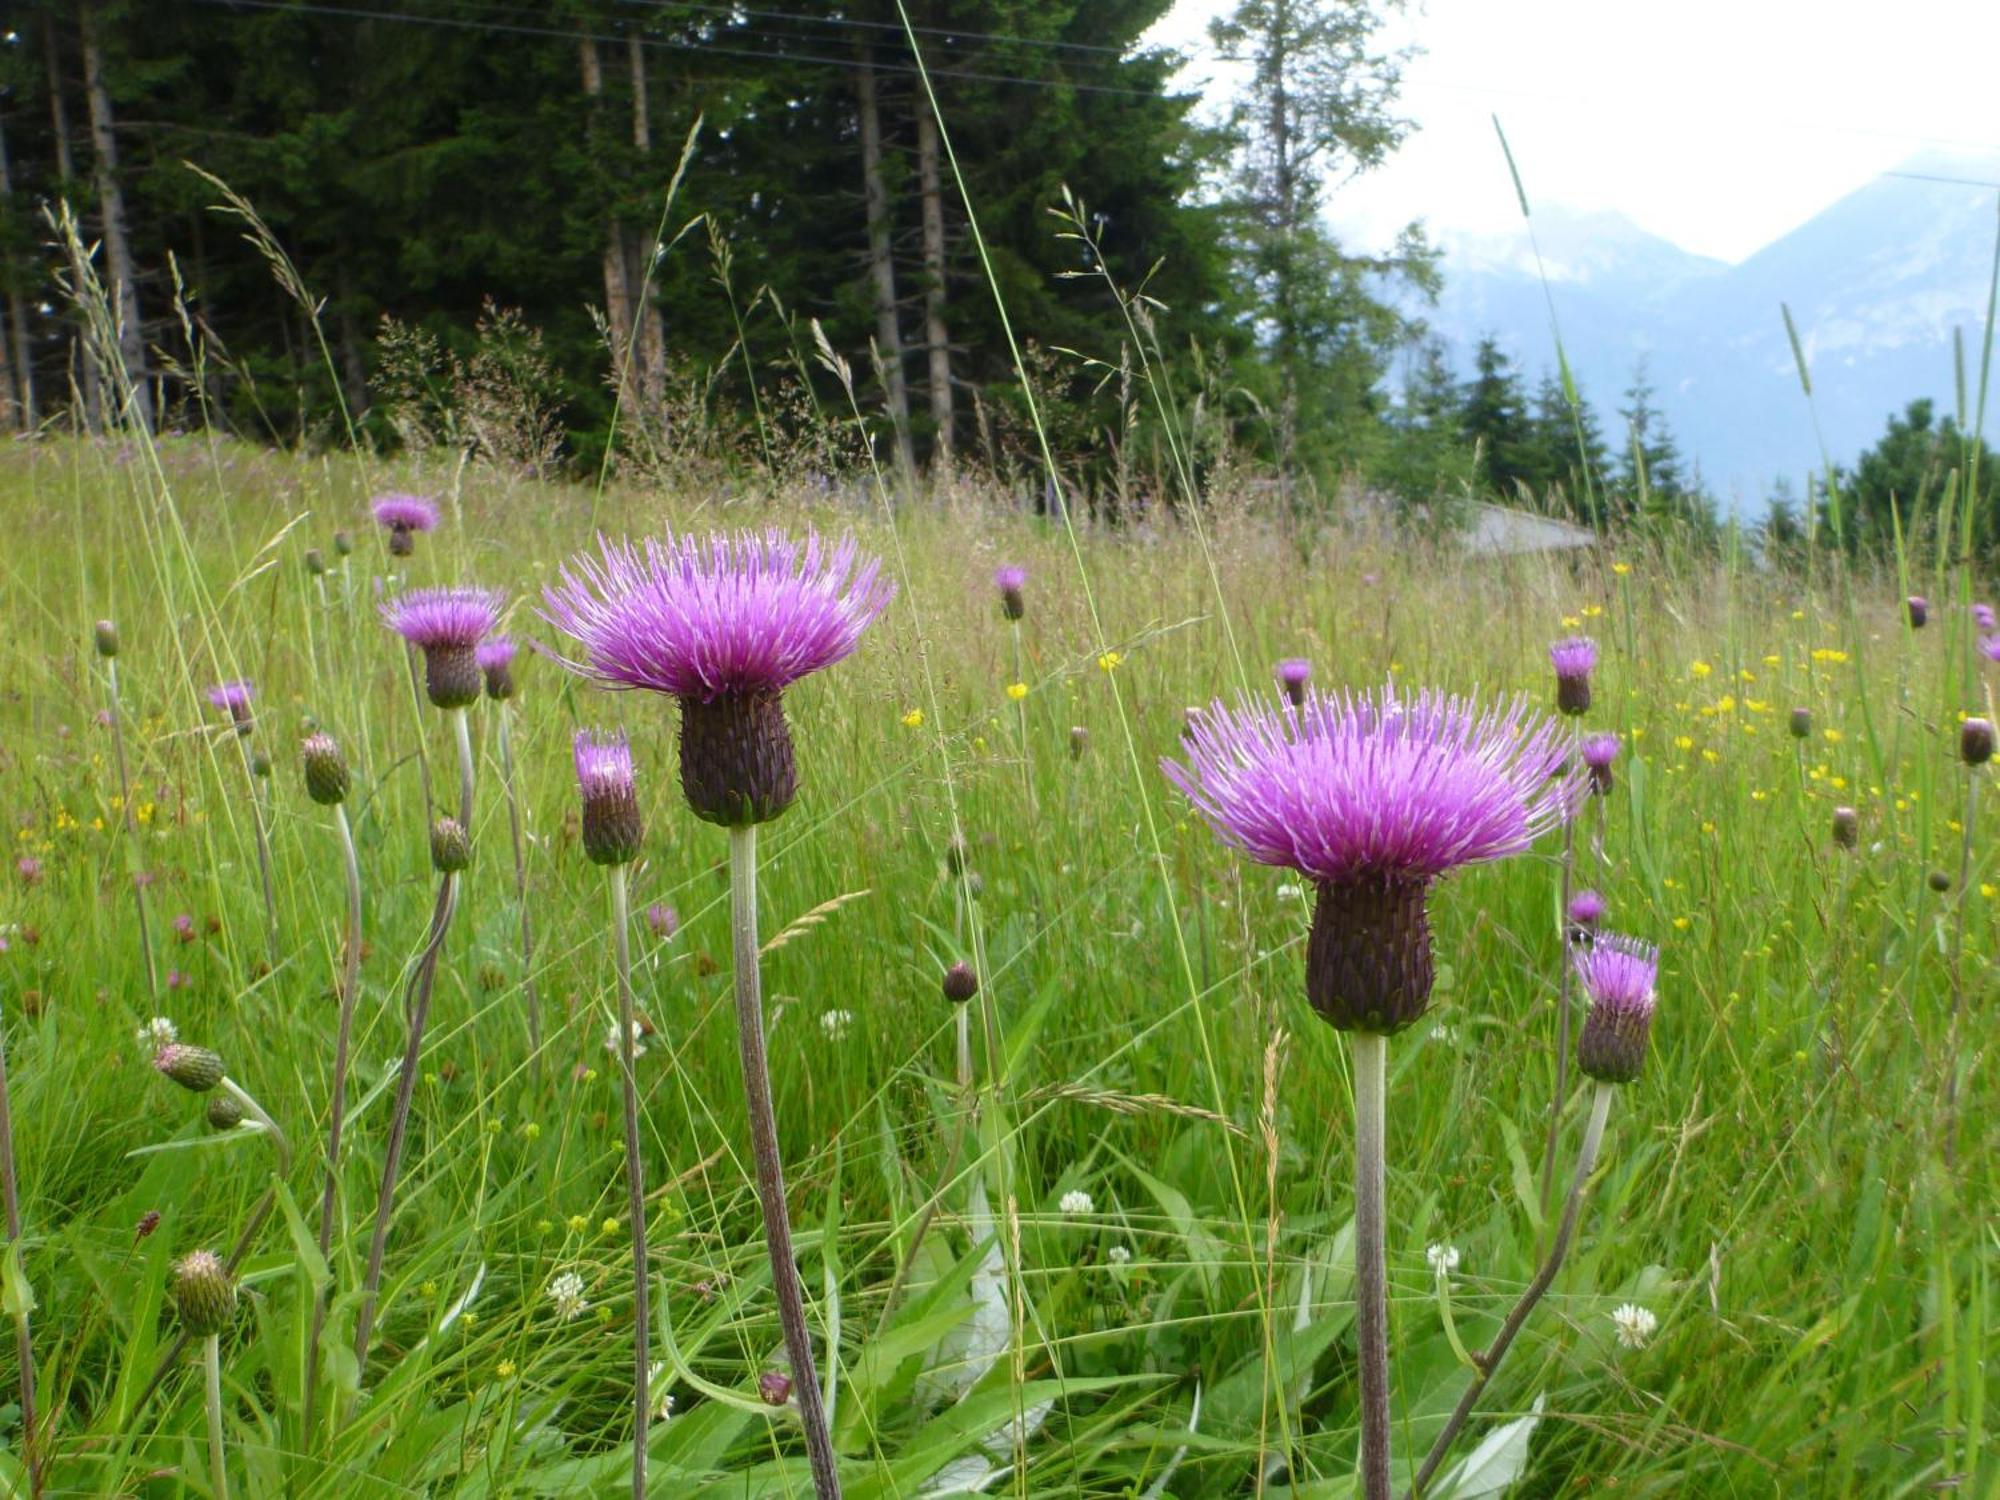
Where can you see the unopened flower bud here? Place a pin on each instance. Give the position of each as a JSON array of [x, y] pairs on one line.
[[326, 769], [1939, 881], [1920, 611], [451, 849], [107, 638], [775, 1387], [960, 983], [343, 544], [1975, 742], [1009, 581], [315, 562], [196, 1069], [1079, 741], [204, 1294], [613, 831], [1801, 723], [1846, 827], [224, 1113], [260, 764]]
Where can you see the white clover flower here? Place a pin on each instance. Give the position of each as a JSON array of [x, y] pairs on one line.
[[566, 1293], [638, 1040], [157, 1033], [835, 1023], [1119, 1257], [1447, 1034], [1076, 1201], [1443, 1258], [1291, 890], [1635, 1325]]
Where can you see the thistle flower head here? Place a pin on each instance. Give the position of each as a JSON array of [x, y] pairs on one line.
[[446, 624], [495, 658], [204, 1293], [1846, 827], [1010, 579], [196, 1069], [1982, 616], [1919, 610], [1586, 909], [105, 634], [451, 847], [1975, 741], [326, 769], [1618, 975], [1801, 723], [400, 512], [1574, 660], [612, 828], [233, 697], [1293, 673], [960, 983], [1375, 796], [1599, 751], [1989, 646]]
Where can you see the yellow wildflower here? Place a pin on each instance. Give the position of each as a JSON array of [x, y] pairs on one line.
[[914, 719], [1017, 691], [1621, 568], [1110, 661]]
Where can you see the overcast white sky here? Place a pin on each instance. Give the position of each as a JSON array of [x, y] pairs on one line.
[[1717, 124]]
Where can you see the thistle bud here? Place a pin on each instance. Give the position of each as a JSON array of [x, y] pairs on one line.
[[106, 635], [960, 983], [737, 763], [1939, 881], [204, 1294], [451, 849], [1586, 911], [343, 544], [1079, 741], [1975, 742], [315, 562], [955, 856], [1920, 611], [496, 660], [774, 1387], [613, 831], [1801, 723], [224, 1113], [196, 1069], [326, 769], [1846, 827], [260, 764]]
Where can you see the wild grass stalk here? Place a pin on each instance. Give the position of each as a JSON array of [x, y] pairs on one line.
[[106, 638]]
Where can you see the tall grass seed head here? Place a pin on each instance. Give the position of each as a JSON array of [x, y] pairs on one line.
[[613, 830], [1376, 796], [1574, 660], [1010, 579], [725, 623], [204, 1294], [1619, 975], [451, 848], [447, 625], [326, 769], [495, 658], [196, 1069]]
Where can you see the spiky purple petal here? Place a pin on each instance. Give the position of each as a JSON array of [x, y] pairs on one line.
[[449, 617]]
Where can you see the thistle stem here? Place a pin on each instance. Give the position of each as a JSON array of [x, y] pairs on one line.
[[350, 975], [461, 728], [1371, 1284], [521, 889], [417, 713], [1958, 970], [263, 852], [1488, 1362], [770, 1168], [1562, 1002], [131, 824], [399, 1118], [635, 1182], [211, 1362], [24, 1341]]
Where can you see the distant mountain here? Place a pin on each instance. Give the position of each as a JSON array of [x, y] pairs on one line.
[[1876, 284]]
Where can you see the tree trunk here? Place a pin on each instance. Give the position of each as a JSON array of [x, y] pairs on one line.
[[617, 282], [882, 262], [936, 341], [17, 384], [124, 288], [650, 337]]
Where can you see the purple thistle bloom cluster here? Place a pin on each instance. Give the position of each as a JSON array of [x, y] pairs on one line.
[[729, 615], [401, 512], [1374, 786], [603, 764], [1618, 974], [1010, 577], [444, 617], [1575, 657]]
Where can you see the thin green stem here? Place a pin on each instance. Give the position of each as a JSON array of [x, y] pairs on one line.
[[1370, 1055], [461, 728], [770, 1166], [131, 824], [24, 1342], [1958, 968], [521, 887], [1488, 1362], [211, 1363], [263, 851], [635, 1180], [1562, 996]]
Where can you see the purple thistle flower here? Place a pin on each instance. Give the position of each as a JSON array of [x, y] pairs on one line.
[[1599, 751], [1010, 579], [1574, 660], [724, 623], [1375, 797], [446, 625], [663, 921], [1293, 673], [28, 868], [1919, 609], [1586, 909], [404, 515], [496, 660], [1618, 974], [612, 829], [234, 697], [1989, 645], [1982, 616]]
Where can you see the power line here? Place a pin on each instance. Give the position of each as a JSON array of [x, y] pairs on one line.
[[304, 7], [855, 23]]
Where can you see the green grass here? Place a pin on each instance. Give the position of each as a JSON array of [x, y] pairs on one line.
[[1774, 1188]]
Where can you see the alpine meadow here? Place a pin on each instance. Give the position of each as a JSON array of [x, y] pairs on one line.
[[804, 750]]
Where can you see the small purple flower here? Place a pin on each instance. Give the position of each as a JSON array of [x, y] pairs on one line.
[[724, 623], [1376, 796], [1586, 909], [496, 659], [1293, 673], [404, 515], [1010, 579], [1618, 974], [1919, 610], [177, 980], [28, 868], [234, 697], [1574, 660], [446, 625], [1990, 646], [612, 829], [1599, 751], [184, 927], [1982, 616], [663, 921]]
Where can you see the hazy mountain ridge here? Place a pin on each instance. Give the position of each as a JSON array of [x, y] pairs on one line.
[[1876, 283]]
